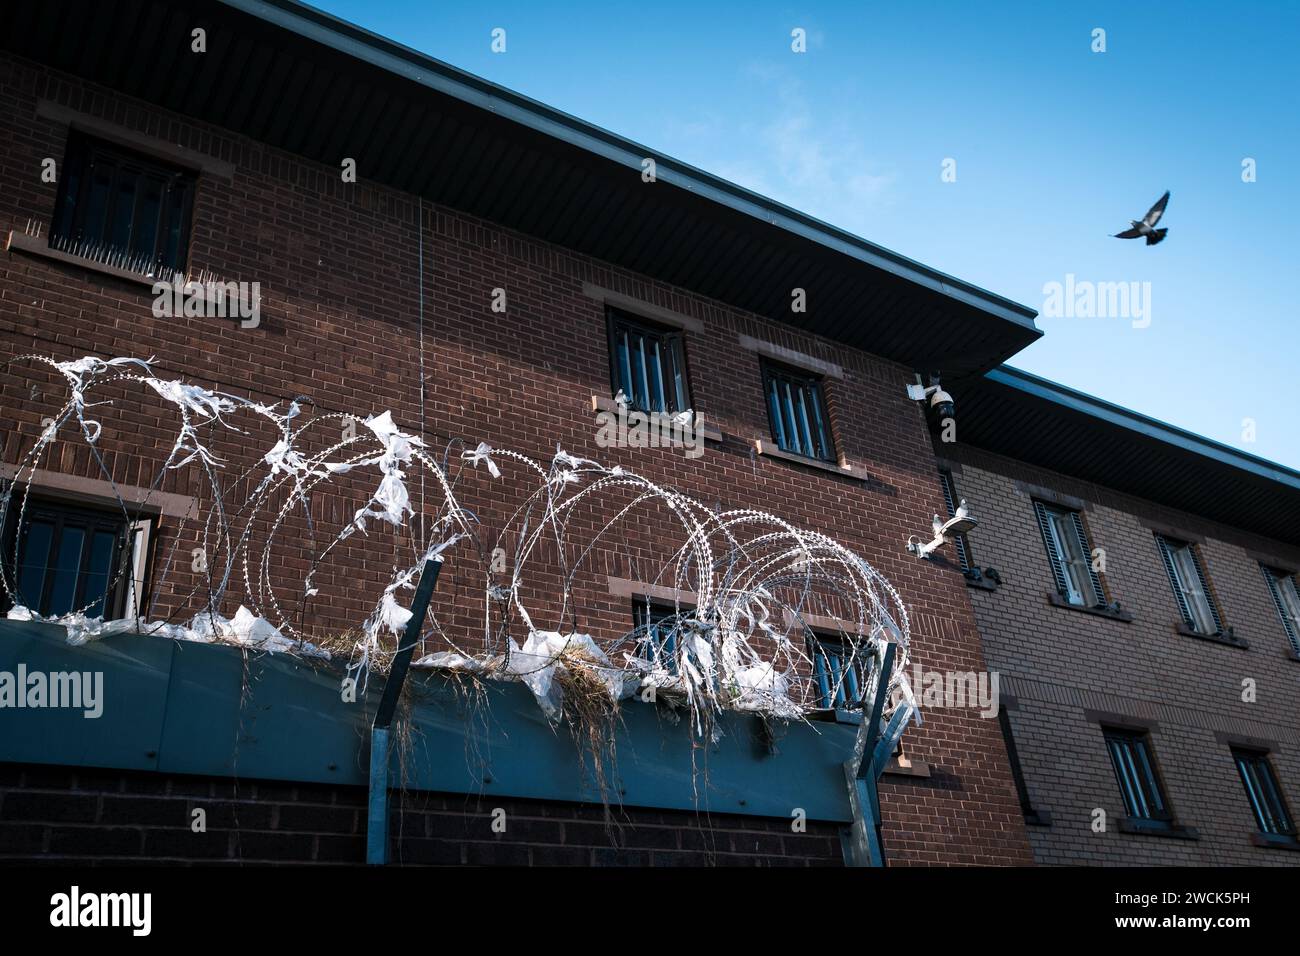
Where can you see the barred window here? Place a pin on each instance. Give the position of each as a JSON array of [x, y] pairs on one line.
[[797, 413], [1135, 772], [648, 365], [1263, 792], [841, 668], [658, 627], [68, 559], [122, 208]]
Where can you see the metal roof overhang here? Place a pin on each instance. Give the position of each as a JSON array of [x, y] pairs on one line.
[[296, 78], [1032, 419]]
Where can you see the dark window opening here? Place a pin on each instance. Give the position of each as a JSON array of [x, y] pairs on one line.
[[68, 559], [1135, 772], [1263, 792], [648, 365], [122, 208], [797, 413]]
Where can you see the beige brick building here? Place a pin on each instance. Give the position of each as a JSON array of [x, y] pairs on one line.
[[1072, 674]]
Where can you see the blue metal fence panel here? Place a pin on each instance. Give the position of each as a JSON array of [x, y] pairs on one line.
[[190, 708], [134, 680]]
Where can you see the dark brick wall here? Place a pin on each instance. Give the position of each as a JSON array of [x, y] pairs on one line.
[[100, 817], [1058, 664], [339, 268]]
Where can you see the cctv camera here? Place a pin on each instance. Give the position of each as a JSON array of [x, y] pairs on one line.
[[941, 404]]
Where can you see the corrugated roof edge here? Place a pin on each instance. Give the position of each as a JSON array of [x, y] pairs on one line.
[[1144, 425], [395, 58]]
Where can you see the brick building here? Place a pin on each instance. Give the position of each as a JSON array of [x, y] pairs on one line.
[[378, 295], [1178, 653]]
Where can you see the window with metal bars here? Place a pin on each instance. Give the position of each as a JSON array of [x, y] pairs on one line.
[[797, 413], [950, 500], [1190, 585], [648, 365], [659, 628], [1070, 555], [67, 559], [123, 208], [1135, 772], [1263, 792], [1286, 598], [841, 668]]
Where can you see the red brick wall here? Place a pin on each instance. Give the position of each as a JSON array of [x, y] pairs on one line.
[[339, 270], [1059, 663]]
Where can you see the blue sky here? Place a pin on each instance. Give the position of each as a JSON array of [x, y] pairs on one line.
[[1056, 147]]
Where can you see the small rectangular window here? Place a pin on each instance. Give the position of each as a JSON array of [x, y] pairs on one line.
[[1286, 598], [950, 501], [1263, 792], [1135, 772], [658, 629], [1190, 585], [648, 365], [841, 668], [68, 559], [797, 413], [122, 208], [1069, 554]]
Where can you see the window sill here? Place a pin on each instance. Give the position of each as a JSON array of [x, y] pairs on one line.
[[1157, 828], [39, 246], [599, 403], [1291, 655], [1275, 841], [843, 471], [1226, 637], [912, 768], [1057, 601]]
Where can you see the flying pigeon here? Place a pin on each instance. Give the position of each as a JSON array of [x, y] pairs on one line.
[[1147, 225]]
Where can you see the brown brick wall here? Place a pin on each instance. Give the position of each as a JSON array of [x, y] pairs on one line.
[[339, 271], [1058, 663]]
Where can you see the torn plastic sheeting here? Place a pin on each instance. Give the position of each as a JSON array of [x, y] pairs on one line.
[[547, 652], [245, 629], [761, 688], [451, 661]]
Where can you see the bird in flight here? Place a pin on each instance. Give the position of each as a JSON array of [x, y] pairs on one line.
[[1146, 226]]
